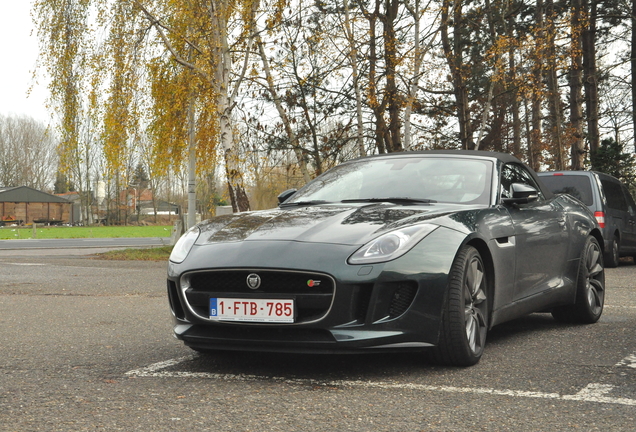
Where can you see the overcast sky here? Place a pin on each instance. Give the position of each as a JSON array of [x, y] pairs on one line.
[[18, 56]]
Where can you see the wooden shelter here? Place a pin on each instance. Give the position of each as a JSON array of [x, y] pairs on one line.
[[24, 205]]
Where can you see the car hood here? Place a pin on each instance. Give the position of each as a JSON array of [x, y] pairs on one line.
[[335, 224]]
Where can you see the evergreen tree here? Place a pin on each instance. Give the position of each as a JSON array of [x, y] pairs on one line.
[[62, 184], [140, 178], [611, 158]]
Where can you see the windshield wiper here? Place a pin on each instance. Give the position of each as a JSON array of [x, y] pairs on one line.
[[303, 203], [396, 200]]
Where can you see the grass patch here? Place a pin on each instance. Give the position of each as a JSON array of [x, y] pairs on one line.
[[14, 233], [144, 254]]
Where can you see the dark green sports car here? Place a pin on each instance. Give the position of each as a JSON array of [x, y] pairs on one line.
[[406, 251]]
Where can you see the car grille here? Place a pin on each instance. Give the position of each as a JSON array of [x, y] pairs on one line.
[[313, 292]]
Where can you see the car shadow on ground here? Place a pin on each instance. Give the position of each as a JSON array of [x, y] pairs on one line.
[[372, 366], [525, 326]]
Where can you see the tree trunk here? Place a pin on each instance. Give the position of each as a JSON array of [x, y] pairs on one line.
[[485, 114], [514, 95], [536, 133], [394, 142], [417, 63], [225, 102], [372, 93], [453, 56], [590, 78], [192, 167], [556, 115], [236, 189], [353, 58], [576, 86], [633, 66], [234, 176]]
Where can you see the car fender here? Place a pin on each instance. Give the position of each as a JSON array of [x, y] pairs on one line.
[[492, 234], [428, 264]]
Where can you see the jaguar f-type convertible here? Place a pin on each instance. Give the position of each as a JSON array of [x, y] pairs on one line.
[[405, 251]]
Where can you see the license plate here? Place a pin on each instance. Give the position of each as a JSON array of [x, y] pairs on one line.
[[252, 310]]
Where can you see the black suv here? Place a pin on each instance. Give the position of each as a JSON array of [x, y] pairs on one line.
[[609, 200]]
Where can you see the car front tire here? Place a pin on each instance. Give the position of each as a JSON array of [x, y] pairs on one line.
[[464, 323]]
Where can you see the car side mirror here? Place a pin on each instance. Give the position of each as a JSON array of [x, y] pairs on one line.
[[285, 195], [521, 194]]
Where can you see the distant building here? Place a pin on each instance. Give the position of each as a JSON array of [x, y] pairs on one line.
[[163, 208], [141, 200], [24, 205], [135, 198], [74, 198]]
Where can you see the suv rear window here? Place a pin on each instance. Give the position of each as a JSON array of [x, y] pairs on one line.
[[576, 185]]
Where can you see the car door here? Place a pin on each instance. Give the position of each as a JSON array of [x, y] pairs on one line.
[[541, 237], [630, 217], [616, 212]]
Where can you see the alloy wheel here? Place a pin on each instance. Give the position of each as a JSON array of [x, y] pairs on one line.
[[475, 305], [594, 289]]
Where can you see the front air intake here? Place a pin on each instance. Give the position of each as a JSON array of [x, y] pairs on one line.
[[402, 298]]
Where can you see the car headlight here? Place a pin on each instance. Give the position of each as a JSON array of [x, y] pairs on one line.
[[391, 245], [184, 244]]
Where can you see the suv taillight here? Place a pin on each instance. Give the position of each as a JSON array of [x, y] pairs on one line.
[[600, 217]]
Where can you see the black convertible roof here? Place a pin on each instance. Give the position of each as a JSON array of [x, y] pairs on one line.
[[503, 157]]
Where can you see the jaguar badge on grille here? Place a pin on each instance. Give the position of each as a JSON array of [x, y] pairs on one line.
[[253, 281]]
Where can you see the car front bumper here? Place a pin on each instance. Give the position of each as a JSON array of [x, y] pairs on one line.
[[395, 305]]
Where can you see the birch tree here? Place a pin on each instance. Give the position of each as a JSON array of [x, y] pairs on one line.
[[202, 28], [66, 53]]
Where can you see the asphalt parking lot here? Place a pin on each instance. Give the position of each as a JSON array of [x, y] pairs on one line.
[[87, 345]]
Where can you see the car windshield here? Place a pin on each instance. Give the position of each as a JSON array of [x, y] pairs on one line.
[[401, 179]]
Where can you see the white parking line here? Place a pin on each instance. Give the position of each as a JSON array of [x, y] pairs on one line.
[[591, 393], [629, 361]]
